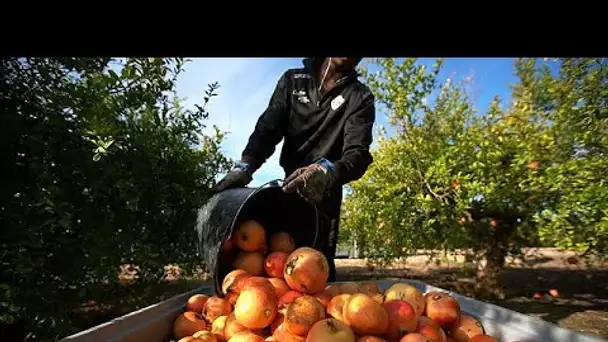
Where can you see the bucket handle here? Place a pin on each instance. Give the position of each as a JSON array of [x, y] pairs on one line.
[[279, 183], [273, 183]]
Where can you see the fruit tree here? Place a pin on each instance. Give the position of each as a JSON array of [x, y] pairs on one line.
[[102, 166], [450, 177]]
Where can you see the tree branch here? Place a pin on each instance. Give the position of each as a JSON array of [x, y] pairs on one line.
[[437, 196]]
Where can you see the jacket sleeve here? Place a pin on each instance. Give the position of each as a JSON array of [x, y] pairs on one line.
[[270, 127], [358, 130]]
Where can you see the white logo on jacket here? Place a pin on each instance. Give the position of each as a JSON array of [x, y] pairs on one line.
[[304, 99], [337, 102], [301, 94]]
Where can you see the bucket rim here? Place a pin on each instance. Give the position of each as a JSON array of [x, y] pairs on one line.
[[270, 184]]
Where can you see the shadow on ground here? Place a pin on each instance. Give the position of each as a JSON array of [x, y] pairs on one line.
[[581, 304], [127, 298]]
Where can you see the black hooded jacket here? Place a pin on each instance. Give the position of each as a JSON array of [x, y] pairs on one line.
[[336, 126]]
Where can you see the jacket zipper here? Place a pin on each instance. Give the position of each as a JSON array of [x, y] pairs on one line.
[[321, 97]]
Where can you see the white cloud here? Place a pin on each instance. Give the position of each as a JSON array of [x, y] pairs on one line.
[[246, 85]]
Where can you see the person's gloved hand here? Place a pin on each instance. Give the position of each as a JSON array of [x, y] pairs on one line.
[[238, 177], [312, 181]]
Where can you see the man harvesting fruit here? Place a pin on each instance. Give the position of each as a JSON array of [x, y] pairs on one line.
[[325, 116]]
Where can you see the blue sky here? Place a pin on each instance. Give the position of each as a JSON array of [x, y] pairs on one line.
[[247, 83]]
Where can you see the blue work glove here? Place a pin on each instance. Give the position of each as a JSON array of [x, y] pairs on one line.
[[312, 182]]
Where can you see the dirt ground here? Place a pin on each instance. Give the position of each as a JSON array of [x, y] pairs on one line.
[[582, 302]]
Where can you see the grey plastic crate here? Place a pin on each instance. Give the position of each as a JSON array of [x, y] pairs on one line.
[[153, 324], [504, 324]]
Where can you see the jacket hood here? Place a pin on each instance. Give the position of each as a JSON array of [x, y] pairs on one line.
[[313, 63]]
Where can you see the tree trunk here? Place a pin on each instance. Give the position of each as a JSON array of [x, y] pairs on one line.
[[490, 269], [489, 273]]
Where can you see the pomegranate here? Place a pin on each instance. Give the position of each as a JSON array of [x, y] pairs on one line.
[[256, 307], [232, 327], [302, 314], [282, 242], [281, 334], [408, 293], [204, 335], [187, 339], [258, 282], [217, 327], [431, 330], [402, 318], [413, 337], [330, 330], [364, 315], [288, 297], [378, 297], [431, 293], [280, 287], [483, 338], [250, 236], [306, 270], [246, 336], [323, 297], [232, 297], [250, 262], [216, 307], [232, 279], [370, 339], [336, 305], [187, 324], [275, 263], [465, 328], [442, 308], [278, 320], [196, 303]]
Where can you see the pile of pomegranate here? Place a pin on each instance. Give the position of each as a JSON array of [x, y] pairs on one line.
[[279, 293]]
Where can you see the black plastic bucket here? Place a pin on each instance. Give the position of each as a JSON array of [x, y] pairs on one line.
[[269, 205]]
